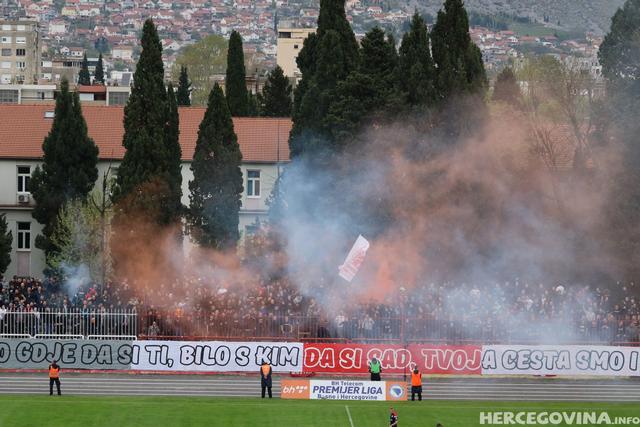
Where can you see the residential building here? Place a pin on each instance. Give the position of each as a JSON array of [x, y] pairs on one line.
[[290, 41], [27, 94], [19, 52], [263, 142]]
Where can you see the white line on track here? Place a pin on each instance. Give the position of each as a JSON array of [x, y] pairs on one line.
[[349, 415]]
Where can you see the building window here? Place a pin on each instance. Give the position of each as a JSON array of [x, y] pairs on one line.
[[24, 176], [6, 27], [253, 183], [8, 96], [118, 98], [295, 46], [6, 79], [21, 52], [21, 65], [21, 28], [6, 52], [6, 39], [24, 236], [21, 40], [251, 230], [5, 65]]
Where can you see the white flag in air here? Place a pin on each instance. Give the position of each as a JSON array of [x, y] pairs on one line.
[[354, 260]]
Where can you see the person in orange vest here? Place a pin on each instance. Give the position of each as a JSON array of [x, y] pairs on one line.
[[54, 377], [265, 378], [416, 384]]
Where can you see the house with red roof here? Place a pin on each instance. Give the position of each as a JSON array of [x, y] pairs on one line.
[[263, 142]]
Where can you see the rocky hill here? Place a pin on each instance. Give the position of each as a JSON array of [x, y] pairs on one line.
[[589, 15]]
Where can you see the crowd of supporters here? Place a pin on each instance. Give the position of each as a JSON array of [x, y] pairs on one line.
[[514, 311]]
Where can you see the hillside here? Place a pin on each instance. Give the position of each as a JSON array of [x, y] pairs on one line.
[[589, 15]]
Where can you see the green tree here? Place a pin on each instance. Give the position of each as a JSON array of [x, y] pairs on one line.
[[149, 162], [69, 168], [458, 60], [275, 99], [236, 80], [619, 55], [6, 242], [507, 89], [184, 88], [174, 152], [98, 76], [325, 59], [79, 235], [416, 73], [84, 78], [206, 61], [216, 187], [461, 80], [366, 96]]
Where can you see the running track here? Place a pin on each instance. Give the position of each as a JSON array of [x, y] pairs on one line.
[[506, 389]]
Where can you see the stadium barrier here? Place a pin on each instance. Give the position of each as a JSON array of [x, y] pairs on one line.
[[288, 357], [69, 324], [202, 325]]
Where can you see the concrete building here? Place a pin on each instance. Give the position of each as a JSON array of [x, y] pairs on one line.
[[104, 95], [19, 52], [290, 41], [263, 142], [27, 94]]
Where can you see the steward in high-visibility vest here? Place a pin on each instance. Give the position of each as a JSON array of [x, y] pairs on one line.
[[416, 384], [54, 377], [375, 368], [265, 378]]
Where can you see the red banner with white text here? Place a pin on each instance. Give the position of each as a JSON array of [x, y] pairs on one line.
[[430, 359]]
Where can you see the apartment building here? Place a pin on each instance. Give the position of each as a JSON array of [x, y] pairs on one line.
[[290, 41], [19, 52]]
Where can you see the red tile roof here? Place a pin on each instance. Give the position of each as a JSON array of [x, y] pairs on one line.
[[24, 127]]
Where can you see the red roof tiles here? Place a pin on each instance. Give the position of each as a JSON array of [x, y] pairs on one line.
[[24, 127]]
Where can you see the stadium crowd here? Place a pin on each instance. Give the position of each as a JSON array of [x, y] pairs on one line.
[[514, 311]]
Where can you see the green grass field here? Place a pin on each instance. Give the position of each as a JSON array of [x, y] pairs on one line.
[[30, 410]]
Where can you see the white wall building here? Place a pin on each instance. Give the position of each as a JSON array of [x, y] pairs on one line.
[[263, 142]]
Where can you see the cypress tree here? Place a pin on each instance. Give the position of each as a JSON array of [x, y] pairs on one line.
[[6, 242], [461, 80], [84, 78], [275, 100], [146, 158], [326, 59], [236, 81], [416, 73], [174, 156], [184, 88], [69, 168], [98, 76], [216, 187], [506, 88], [460, 69], [368, 92], [619, 55]]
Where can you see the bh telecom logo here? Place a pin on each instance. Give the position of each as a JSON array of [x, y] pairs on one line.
[[396, 391], [295, 389]]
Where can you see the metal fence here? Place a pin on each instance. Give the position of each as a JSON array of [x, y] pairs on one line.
[[69, 324], [176, 324]]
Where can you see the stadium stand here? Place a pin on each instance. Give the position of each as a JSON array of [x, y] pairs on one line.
[[510, 312]]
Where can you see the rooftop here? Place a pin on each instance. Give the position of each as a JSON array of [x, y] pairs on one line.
[[24, 127]]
